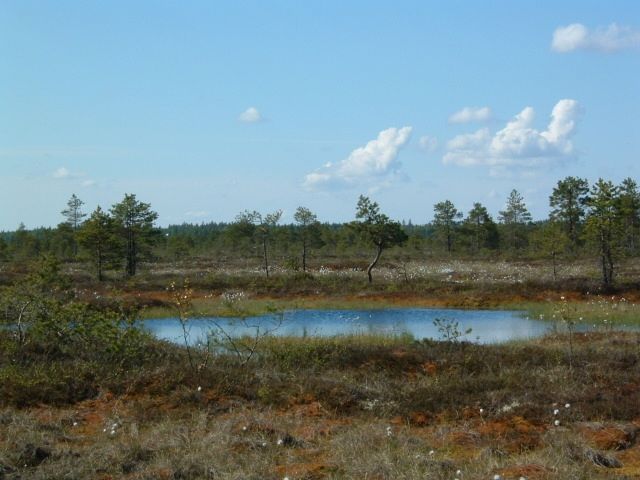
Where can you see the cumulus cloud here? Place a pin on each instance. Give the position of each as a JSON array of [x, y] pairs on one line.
[[375, 163], [427, 143], [88, 183], [250, 115], [518, 143], [604, 39], [471, 114]]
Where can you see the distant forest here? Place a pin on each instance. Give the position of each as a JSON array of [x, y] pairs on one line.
[[600, 221]]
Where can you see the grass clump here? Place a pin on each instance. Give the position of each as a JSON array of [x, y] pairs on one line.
[[600, 312]]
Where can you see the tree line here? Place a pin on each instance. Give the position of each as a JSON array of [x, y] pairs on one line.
[[601, 221], [122, 237]]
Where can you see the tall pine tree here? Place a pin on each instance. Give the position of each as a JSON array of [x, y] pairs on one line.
[[134, 222], [515, 217], [603, 226], [445, 219], [98, 239], [567, 202]]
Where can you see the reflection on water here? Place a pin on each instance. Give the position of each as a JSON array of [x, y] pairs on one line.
[[488, 326]]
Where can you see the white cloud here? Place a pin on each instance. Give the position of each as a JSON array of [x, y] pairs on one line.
[[467, 149], [316, 178], [372, 164], [518, 143], [471, 114], [604, 39], [250, 115], [61, 173], [427, 143]]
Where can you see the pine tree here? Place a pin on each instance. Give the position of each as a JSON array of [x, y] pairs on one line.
[[73, 213], [567, 204], [445, 220], [254, 224], [481, 227], [514, 217], [376, 228], [97, 237], [307, 222], [135, 222], [603, 227], [551, 240], [629, 206]]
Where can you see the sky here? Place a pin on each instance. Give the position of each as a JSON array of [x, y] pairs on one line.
[[206, 109]]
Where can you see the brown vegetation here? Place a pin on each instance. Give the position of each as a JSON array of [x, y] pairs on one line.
[[360, 407]]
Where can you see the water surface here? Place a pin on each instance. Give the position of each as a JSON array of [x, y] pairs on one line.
[[488, 326]]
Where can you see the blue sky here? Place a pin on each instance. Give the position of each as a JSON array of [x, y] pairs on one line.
[[204, 109]]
